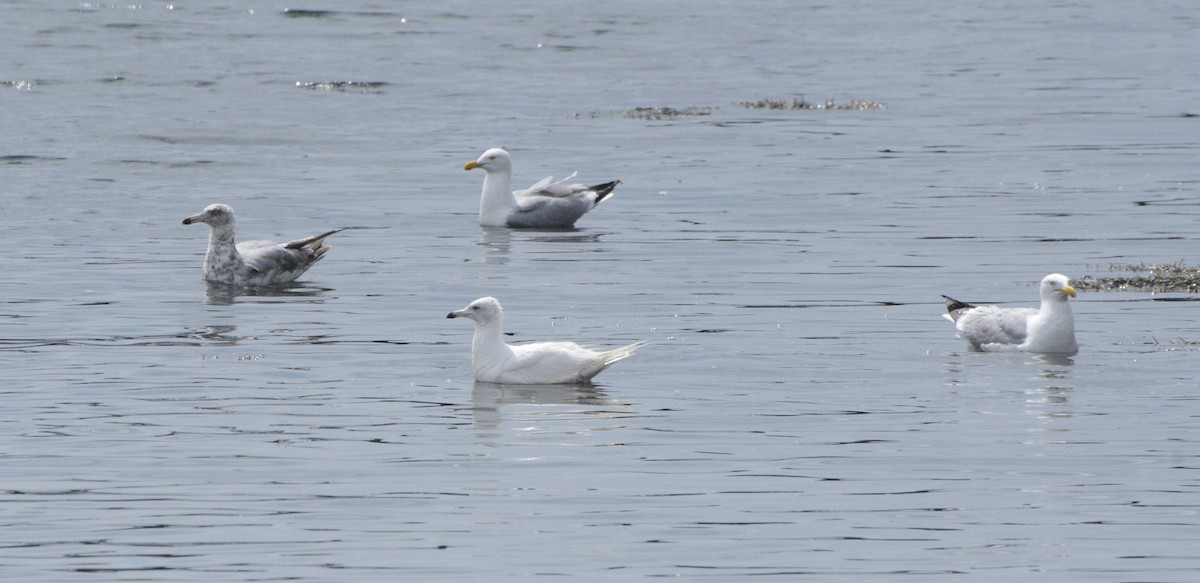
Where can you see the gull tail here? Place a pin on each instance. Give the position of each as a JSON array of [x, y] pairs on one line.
[[606, 359], [955, 309], [315, 244], [621, 353], [603, 190]]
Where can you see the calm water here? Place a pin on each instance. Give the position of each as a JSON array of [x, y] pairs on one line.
[[802, 412]]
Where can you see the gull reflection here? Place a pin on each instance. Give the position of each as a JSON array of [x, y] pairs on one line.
[[497, 244], [490, 399], [219, 294], [220, 335], [1054, 398]]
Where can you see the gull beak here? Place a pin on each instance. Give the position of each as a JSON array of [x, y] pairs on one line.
[[191, 219], [1068, 291], [473, 164], [455, 314]]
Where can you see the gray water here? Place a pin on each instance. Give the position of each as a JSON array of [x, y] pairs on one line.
[[801, 412]]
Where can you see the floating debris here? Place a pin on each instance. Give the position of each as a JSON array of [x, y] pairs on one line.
[[801, 103], [653, 113], [22, 85], [656, 113], [359, 86], [1174, 277], [669, 113]]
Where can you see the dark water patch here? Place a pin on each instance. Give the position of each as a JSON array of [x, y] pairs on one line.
[[347, 86], [875, 304], [327, 340], [317, 13], [191, 163], [301, 13], [194, 337], [800, 103], [27, 159], [1181, 201]]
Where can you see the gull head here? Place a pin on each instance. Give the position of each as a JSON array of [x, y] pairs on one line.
[[492, 160], [215, 215], [482, 311], [1056, 286]]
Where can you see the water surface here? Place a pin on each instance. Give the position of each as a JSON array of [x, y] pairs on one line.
[[801, 411]]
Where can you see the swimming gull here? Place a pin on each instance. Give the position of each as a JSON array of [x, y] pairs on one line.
[[542, 363], [1050, 328], [253, 263], [545, 205]]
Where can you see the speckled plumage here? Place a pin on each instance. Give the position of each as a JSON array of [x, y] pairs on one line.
[[1049, 329], [495, 361], [545, 205], [253, 263]]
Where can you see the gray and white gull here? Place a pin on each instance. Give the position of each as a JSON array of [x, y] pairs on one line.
[[537, 363], [545, 205], [253, 263], [1049, 328]]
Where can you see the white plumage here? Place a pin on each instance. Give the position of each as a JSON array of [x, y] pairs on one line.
[[253, 263], [1050, 328], [545, 205], [495, 361]]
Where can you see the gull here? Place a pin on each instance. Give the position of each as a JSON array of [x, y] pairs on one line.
[[545, 205], [1050, 328], [537, 363], [253, 263]]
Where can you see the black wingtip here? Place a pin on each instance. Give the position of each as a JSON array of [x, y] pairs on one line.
[[603, 190], [953, 305]]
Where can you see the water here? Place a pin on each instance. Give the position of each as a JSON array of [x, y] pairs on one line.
[[801, 412]]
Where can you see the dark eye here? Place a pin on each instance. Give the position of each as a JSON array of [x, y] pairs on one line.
[[476, 308]]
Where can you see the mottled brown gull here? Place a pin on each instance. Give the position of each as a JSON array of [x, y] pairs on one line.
[[1049, 329], [537, 363], [545, 205], [253, 263]]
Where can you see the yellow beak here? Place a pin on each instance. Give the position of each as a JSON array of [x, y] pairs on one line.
[[1068, 291], [472, 165]]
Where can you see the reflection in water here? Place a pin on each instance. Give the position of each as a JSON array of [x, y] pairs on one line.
[[489, 398], [1054, 359], [564, 236], [220, 294], [1052, 394], [497, 243], [1054, 398], [221, 335], [1057, 395]]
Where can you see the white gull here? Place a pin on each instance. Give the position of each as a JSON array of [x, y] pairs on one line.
[[538, 363]]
